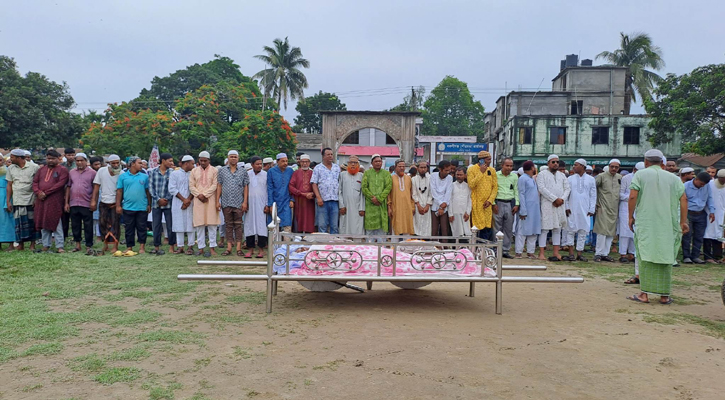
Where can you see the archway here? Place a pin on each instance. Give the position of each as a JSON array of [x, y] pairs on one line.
[[337, 125]]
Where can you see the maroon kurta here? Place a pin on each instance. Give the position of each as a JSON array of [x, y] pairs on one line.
[[304, 211], [52, 182]]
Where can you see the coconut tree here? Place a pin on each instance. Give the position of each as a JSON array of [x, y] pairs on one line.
[[637, 53], [281, 76]]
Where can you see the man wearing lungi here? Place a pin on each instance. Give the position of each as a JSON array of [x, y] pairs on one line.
[[20, 197]]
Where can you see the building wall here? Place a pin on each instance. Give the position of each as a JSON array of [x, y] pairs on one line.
[[579, 137]]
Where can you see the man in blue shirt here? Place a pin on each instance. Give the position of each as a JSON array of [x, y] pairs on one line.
[[700, 207], [278, 178], [133, 200]]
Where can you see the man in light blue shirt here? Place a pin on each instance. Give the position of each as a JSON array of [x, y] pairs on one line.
[[700, 207]]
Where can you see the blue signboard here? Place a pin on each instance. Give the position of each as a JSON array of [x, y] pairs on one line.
[[444, 147]]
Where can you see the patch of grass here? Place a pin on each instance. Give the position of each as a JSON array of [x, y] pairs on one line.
[[199, 396], [7, 354], [89, 363], [44, 349], [160, 393], [133, 354], [712, 328], [117, 374], [252, 393], [242, 352], [255, 298], [203, 362], [332, 365], [176, 337], [220, 320], [31, 388]]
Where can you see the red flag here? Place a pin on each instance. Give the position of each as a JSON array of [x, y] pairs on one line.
[[154, 158]]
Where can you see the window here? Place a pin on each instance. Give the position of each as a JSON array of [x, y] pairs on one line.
[[557, 135], [577, 106], [354, 138], [600, 135], [389, 139], [631, 135], [525, 135]]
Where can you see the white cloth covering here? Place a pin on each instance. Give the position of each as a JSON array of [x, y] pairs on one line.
[[552, 187], [713, 230], [623, 218], [582, 201], [422, 196], [255, 222], [351, 198], [460, 204], [182, 219]]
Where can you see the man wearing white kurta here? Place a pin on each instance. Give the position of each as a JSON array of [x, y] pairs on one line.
[[182, 207], [626, 236], [459, 212], [581, 204], [712, 246], [255, 222], [351, 199], [441, 189], [423, 201], [553, 188]]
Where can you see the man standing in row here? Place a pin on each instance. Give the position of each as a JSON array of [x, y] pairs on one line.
[[581, 205], [78, 202], [484, 188], [605, 225], [232, 192], [700, 209], [507, 204], [161, 200], [626, 236], [529, 212], [106, 183], [300, 188], [49, 188], [133, 201], [376, 186], [352, 200], [202, 185], [554, 188], [441, 188], [21, 198], [423, 200], [326, 185], [255, 224], [459, 211], [400, 201], [182, 208], [712, 246], [278, 179]]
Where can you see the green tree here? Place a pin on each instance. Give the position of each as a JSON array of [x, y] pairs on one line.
[[35, 111], [693, 105], [414, 101], [309, 111], [281, 76], [637, 53], [450, 110]]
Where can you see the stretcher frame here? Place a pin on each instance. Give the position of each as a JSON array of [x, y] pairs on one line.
[[433, 266]]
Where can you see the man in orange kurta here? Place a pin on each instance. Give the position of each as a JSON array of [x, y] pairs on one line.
[[301, 188], [400, 201], [202, 184]]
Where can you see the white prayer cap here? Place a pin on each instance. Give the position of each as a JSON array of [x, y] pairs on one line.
[[374, 155], [226, 161], [187, 158], [304, 157], [614, 160], [551, 157], [267, 160], [204, 154], [82, 155], [664, 160], [686, 170], [114, 157], [248, 166], [18, 153], [654, 153], [520, 171], [236, 153], [581, 161], [639, 165], [721, 173], [64, 159], [281, 155], [589, 168], [27, 153], [543, 168], [606, 169]]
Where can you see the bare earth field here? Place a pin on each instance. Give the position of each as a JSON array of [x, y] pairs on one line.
[[82, 327]]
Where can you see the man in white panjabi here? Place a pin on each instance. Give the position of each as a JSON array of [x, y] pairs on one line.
[[423, 200], [626, 236], [182, 207], [351, 199], [553, 188], [580, 206], [255, 222], [202, 184], [459, 212], [712, 246]]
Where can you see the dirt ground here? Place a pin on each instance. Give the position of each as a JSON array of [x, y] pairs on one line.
[[553, 341]]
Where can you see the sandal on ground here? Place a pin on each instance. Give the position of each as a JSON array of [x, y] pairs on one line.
[[240, 253], [179, 251], [580, 258], [664, 303], [199, 253], [226, 253], [154, 251], [248, 255], [632, 281], [160, 252], [91, 252], [189, 252], [554, 259], [118, 253], [129, 253], [75, 250], [531, 257], [623, 260], [519, 256], [636, 299], [260, 254], [207, 254], [61, 251], [568, 258]]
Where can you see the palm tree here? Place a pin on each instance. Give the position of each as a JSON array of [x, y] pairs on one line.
[[281, 76], [636, 52]]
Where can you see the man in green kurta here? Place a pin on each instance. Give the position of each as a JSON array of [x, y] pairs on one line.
[[654, 197], [376, 185], [605, 224]]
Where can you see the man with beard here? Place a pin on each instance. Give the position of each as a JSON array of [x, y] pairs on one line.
[[626, 236], [423, 200], [49, 188], [267, 163], [182, 208], [687, 174], [104, 199], [278, 179], [301, 189], [21, 198], [96, 163], [672, 166], [441, 188], [712, 246], [352, 200], [202, 184], [133, 201], [78, 202], [554, 188], [484, 188], [255, 224], [605, 226], [232, 194], [400, 201], [376, 186], [581, 205]]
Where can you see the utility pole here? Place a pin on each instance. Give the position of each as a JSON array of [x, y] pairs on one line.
[[413, 100]]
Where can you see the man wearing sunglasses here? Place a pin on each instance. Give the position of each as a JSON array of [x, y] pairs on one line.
[[605, 224]]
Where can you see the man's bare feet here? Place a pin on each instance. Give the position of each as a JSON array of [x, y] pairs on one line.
[[212, 251], [142, 249]]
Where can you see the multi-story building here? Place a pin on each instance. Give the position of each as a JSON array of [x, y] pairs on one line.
[[581, 117]]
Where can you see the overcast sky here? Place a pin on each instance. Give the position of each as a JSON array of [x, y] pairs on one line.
[[369, 52]]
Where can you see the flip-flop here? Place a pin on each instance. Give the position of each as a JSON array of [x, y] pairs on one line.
[[664, 303], [632, 281], [129, 253], [259, 255], [636, 298], [207, 254], [554, 259], [118, 253]]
